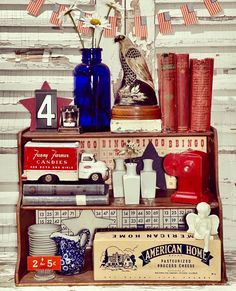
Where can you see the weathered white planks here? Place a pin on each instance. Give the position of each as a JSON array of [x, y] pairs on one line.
[[8, 236], [32, 51], [63, 81], [54, 62], [9, 169]]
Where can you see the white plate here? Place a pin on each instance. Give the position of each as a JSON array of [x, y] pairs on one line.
[[43, 247], [36, 235], [41, 253], [44, 228], [50, 247], [40, 239], [40, 233], [40, 243], [50, 252]]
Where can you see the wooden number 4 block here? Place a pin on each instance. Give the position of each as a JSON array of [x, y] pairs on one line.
[[46, 109]]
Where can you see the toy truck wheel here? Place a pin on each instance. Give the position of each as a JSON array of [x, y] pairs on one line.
[[49, 179], [96, 177]]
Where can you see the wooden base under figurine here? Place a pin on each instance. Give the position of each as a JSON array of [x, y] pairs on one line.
[[69, 129], [136, 112], [135, 119]]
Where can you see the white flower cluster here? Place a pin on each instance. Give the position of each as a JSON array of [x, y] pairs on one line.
[[131, 149], [94, 21]]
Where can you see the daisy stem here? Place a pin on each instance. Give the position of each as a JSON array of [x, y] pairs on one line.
[[93, 32], [76, 30], [101, 33]]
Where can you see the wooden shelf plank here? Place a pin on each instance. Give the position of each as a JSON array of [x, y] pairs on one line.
[[86, 279], [161, 202], [49, 135]]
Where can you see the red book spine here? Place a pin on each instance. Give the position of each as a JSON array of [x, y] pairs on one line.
[[201, 93], [182, 91], [167, 81]]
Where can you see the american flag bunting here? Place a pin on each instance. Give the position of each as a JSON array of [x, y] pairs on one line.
[[213, 7], [189, 15], [164, 21], [111, 32], [140, 26], [34, 7], [58, 8], [81, 29]]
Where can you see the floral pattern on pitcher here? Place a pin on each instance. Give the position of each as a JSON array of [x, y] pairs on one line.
[[71, 251]]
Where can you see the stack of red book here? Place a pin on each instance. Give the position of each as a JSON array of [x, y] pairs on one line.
[[185, 92]]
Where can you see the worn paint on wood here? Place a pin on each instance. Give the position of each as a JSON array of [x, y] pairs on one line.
[[32, 51]]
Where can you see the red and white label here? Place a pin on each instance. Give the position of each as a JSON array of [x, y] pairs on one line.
[[46, 158], [44, 263]]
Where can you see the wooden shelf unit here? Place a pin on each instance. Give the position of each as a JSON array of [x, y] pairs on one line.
[[26, 215]]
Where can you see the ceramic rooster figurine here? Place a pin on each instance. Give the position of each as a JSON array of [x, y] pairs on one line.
[[137, 86]]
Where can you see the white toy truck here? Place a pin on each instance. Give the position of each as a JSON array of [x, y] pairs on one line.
[[53, 162]]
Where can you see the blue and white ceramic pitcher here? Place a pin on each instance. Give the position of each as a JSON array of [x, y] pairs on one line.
[[72, 251]]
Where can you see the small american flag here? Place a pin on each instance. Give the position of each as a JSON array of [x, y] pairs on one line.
[[140, 26], [58, 8], [34, 7], [81, 29], [112, 31], [164, 21], [189, 15], [213, 7]]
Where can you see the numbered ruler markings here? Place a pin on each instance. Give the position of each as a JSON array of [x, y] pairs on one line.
[[145, 218]]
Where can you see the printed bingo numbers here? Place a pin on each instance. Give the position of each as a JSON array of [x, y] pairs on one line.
[[46, 109]]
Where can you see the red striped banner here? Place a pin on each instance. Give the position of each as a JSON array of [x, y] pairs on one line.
[[34, 7], [113, 27], [140, 26], [164, 21], [213, 7], [189, 15], [58, 8]]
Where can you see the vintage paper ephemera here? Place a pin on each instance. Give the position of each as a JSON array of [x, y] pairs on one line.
[[155, 255]]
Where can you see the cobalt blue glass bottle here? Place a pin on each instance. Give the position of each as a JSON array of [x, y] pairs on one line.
[[92, 91]]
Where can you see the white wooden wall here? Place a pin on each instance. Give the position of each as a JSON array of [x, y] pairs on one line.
[[32, 51]]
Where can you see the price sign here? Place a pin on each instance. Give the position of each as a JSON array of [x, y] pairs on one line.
[[44, 263], [46, 109]]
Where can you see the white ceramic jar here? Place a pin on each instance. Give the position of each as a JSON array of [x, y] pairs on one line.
[[131, 184], [117, 178], [148, 180]]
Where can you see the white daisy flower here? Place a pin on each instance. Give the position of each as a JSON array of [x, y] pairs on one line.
[[68, 13], [112, 4], [63, 16], [95, 22]]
